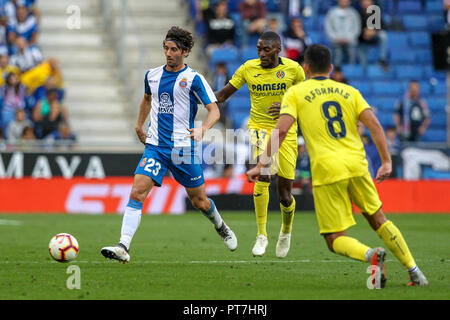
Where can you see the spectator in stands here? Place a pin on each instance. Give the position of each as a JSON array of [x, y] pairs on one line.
[[37, 77], [220, 28], [343, 26], [221, 78], [253, 15], [274, 26], [15, 127], [4, 50], [447, 12], [63, 137], [27, 57], [6, 68], [50, 122], [228, 171], [13, 93], [393, 143], [370, 36], [338, 75], [48, 113], [303, 168], [295, 40], [412, 116], [28, 139], [26, 25]]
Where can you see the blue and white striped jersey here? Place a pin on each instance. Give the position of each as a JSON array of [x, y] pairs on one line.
[[175, 96]]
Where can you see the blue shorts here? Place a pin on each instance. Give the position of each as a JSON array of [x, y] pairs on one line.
[[184, 164]]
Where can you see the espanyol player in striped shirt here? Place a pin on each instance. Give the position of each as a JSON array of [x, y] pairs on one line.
[[172, 93]]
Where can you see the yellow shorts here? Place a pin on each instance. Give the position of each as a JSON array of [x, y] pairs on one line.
[[333, 202], [283, 162]]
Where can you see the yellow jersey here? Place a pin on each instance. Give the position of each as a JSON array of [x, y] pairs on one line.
[[266, 87], [327, 112]]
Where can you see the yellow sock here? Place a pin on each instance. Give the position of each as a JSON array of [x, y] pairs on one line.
[[350, 247], [287, 216], [393, 239], [261, 200]]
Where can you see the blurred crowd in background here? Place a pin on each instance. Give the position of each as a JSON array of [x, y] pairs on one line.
[[391, 64], [31, 86]]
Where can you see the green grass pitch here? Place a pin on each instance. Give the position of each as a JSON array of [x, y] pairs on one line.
[[182, 257]]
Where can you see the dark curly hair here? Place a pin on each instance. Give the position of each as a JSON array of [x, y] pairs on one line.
[[183, 38]]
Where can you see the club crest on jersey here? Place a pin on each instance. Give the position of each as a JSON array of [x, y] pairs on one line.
[[183, 83], [165, 104], [143, 162], [280, 74]]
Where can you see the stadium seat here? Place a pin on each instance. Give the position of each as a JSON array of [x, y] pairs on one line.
[[425, 88], [353, 71], [436, 22], [227, 55], [238, 118], [434, 135], [440, 89], [401, 56], [387, 88], [415, 22], [315, 36], [375, 72], [409, 7], [233, 5], [239, 104], [373, 54], [436, 104], [364, 87], [232, 67], [434, 7], [397, 39], [423, 56], [406, 72], [386, 119], [248, 54], [386, 105], [421, 40], [438, 120]]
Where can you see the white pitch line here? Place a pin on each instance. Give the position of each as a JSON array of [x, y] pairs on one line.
[[5, 222]]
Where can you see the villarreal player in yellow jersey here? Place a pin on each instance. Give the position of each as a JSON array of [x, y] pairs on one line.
[[327, 112], [268, 78]]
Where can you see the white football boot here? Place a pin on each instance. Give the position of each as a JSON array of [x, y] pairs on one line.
[[260, 246], [118, 252], [417, 278], [228, 236], [283, 244]]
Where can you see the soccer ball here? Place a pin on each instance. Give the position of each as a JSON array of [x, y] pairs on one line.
[[63, 247]]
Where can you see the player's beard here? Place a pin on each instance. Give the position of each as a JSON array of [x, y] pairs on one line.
[[175, 62]]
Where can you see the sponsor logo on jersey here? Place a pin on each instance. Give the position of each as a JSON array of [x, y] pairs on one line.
[[280, 74], [269, 86], [165, 104]]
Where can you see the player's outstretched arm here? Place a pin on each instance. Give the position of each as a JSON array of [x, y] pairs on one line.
[[223, 94], [211, 119], [370, 120], [144, 110]]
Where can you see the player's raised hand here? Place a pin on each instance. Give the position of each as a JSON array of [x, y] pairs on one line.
[[196, 133], [274, 110], [383, 172], [141, 134]]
